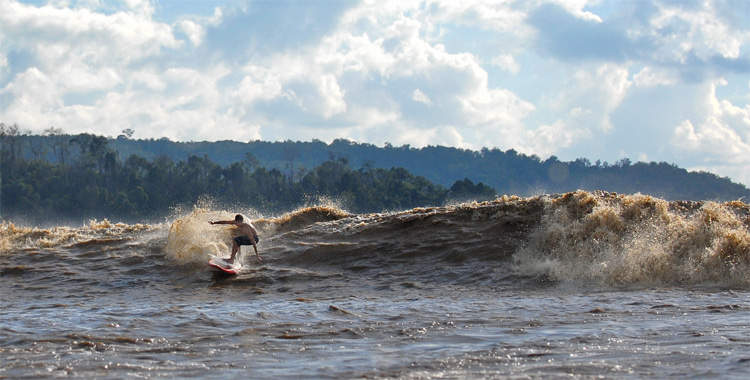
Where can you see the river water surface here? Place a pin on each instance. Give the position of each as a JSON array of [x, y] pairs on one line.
[[581, 285]]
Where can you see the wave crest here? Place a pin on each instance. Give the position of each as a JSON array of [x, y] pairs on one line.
[[13, 238]]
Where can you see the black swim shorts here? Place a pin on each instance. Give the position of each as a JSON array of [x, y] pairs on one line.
[[244, 240]]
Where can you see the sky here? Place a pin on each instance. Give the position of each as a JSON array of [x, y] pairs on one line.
[[650, 81]]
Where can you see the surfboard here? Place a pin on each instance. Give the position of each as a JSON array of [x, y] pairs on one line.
[[224, 266]]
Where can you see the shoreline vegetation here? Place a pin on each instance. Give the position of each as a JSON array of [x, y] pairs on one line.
[[56, 176]]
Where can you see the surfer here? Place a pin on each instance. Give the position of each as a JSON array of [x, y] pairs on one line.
[[247, 231]]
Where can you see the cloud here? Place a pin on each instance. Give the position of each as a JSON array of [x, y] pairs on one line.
[[702, 30], [497, 16], [719, 141], [54, 34], [258, 84], [507, 63], [650, 77], [194, 31], [592, 95], [570, 38], [694, 40], [362, 76], [687, 37], [267, 27], [723, 135], [420, 97], [76, 50], [549, 139]]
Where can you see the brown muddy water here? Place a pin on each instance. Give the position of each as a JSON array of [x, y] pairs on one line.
[[579, 285]]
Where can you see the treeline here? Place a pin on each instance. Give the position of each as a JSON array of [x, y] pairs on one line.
[[73, 177], [508, 172]]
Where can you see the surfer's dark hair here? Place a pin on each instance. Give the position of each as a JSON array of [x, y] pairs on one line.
[[238, 218]]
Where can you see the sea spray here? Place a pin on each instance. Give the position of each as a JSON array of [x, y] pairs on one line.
[[620, 240], [193, 240], [13, 238]]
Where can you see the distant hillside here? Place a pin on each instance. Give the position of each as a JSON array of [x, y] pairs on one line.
[[508, 172], [74, 178]]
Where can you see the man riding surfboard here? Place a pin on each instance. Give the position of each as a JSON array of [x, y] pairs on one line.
[[249, 236]]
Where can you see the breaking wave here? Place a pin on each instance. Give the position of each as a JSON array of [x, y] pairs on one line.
[[589, 238], [617, 240]]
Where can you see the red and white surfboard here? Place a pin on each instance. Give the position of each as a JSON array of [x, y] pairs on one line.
[[224, 266]]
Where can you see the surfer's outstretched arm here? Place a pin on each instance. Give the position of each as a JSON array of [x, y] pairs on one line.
[[222, 222]]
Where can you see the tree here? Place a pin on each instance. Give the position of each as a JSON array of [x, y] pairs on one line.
[[290, 153], [467, 190], [128, 132], [251, 162], [59, 144], [10, 140]]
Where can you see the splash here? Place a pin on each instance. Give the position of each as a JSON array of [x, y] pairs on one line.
[[193, 240], [620, 240]]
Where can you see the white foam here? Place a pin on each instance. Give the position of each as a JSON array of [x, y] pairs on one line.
[[193, 240], [637, 240]]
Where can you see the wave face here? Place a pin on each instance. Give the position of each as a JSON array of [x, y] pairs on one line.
[[598, 239], [591, 239]]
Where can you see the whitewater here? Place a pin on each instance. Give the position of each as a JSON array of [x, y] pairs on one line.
[[578, 285]]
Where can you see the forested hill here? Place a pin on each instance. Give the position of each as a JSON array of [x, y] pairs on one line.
[[505, 172], [508, 172], [58, 178]]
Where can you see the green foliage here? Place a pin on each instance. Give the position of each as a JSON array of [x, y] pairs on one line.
[[508, 172], [467, 190], [95, 183]]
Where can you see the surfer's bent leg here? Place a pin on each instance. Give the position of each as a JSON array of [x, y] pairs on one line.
[[235, 248], [238, 241]]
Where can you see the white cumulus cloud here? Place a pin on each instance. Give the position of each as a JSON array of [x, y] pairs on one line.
[[573, 78]]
